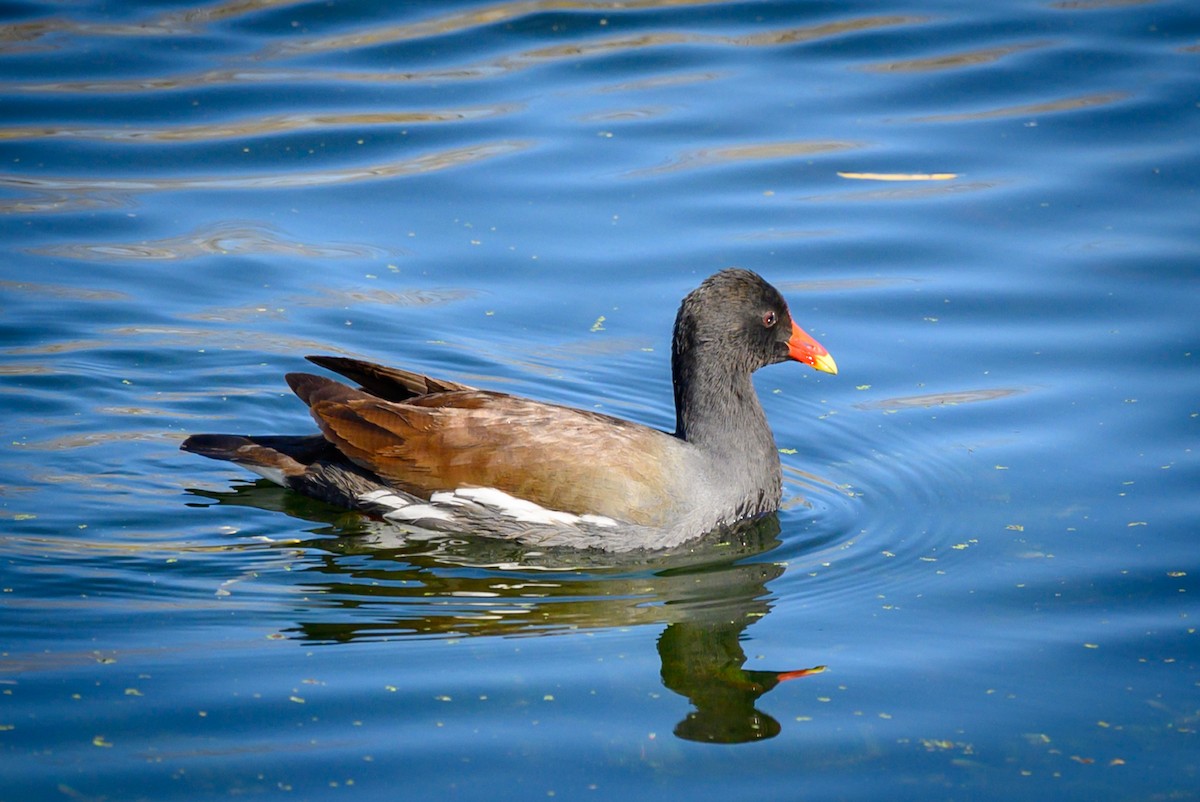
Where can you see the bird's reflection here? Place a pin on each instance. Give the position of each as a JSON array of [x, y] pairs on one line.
[[706, 594]]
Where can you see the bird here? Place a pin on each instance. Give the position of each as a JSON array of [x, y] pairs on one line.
[[435, 456]]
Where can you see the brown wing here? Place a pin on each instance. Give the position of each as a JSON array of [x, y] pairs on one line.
[[391, 384], [561, 458]]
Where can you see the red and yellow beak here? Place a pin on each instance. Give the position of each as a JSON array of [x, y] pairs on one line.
[[803, 348]]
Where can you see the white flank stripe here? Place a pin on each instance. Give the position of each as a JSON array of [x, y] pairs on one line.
[[403, 509], [447, 497], [418, 512], [273, 474], [385, 497], [518, 508]]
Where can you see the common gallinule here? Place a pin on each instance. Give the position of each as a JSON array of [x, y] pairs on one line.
[[435, 455]]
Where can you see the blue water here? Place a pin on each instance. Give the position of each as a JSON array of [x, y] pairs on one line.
[[987, 212]]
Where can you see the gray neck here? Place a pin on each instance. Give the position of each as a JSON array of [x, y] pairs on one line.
[[718, 412]]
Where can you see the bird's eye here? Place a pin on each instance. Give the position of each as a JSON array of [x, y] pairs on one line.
[[770, 318]]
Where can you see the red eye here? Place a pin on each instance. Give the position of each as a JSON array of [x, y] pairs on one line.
[[770, 318]]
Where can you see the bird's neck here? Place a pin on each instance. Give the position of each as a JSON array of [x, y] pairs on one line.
[[718, 412], [717, 409]]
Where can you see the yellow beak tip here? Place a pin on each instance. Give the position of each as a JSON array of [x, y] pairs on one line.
[[825, 364]]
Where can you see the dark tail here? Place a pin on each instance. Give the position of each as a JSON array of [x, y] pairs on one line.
[[268, 451]]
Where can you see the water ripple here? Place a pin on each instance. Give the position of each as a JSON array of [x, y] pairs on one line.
[[224, 238], [55, 202], [954, 61], [259, 126], [884, 527], [920, 193], [762, 151], [188, 21], [952, 398], [1089, 5], [469, 21], [1028, 109], [786, 36], [182, 336], [476, 70], [844, 284], [335, 299], [63, 292], [90, 188]]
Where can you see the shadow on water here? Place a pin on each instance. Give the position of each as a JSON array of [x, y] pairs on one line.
[[706, 594]]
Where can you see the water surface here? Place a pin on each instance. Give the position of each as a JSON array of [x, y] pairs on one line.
[[988, 215]]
